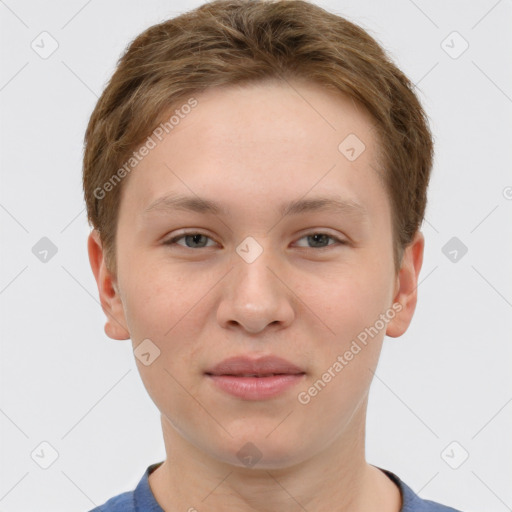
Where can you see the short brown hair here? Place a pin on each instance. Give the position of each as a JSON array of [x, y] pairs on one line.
[[226, 42]]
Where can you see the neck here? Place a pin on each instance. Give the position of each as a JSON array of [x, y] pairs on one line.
[[334, 478]]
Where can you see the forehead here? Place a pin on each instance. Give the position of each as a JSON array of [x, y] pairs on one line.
[[277, 115], [258, 141]]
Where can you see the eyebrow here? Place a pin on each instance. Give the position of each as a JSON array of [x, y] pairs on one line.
[[173, 202]]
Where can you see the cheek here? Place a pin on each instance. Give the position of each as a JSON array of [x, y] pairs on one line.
[[351, 299], [345, 358], [168, 316], [351, 306], [167, 308], [156, 300]]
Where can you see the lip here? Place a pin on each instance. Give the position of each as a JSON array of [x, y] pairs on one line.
[[240, 365], [231, 377]]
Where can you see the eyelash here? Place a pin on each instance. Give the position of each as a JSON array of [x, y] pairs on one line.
[[339, 241]]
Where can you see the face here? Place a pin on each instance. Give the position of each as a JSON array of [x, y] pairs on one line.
[[295, 262]]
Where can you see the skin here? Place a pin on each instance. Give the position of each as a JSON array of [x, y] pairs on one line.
[[253, 148]]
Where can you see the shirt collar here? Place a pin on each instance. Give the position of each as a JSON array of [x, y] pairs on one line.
[[145, 500]]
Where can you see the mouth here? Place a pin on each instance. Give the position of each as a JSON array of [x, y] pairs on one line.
[[246, 366], [257, 375], [255, 387], [255, 379]]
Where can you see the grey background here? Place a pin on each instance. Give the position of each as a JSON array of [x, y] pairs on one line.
[[65, 383]]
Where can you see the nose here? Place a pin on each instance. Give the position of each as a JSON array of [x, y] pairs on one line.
[[256, 297]]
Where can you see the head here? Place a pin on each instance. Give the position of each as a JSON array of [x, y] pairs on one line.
[[256, 107]]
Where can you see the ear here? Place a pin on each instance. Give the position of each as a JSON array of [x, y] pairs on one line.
[[115, 326], [406, 294]]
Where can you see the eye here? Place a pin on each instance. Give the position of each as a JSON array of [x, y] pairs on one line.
[[192, 240], [195, 240], [318, 239]]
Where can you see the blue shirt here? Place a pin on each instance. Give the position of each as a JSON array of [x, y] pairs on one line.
[[142, 499]]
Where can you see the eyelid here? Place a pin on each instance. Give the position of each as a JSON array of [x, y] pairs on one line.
[[337, 239], [318, 231], [171, 241]]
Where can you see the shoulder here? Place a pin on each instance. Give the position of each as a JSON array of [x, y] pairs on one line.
[[431, 506], [139, 500], [411, 502], [121, 503]]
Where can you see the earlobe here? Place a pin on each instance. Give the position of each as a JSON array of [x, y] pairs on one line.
[[115, 326], [407, 283]]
